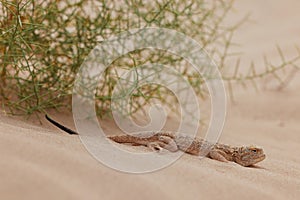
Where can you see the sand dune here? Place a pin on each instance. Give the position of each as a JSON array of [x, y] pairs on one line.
[[41, 162]]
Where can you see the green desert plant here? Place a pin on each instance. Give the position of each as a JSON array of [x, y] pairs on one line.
[[43, 44]]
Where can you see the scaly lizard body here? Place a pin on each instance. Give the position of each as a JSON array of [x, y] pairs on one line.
[[244, 156]]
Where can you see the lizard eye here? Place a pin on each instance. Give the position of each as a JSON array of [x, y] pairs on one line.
[[254, 150]]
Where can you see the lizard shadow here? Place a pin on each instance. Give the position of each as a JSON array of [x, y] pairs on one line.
[[256, 167]]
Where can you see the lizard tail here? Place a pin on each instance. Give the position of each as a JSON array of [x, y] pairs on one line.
[[123, 138], [62, 127]]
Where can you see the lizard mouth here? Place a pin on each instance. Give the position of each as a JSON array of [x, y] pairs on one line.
[[261, 158], [252, 161], [256, 160]]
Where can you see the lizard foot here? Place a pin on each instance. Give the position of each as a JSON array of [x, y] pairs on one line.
[[155, 146]]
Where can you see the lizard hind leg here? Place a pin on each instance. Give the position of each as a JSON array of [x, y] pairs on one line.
[[163, 143], [169, 143], [155, 146]]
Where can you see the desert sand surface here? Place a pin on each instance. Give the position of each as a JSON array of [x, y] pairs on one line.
[[42, 162]]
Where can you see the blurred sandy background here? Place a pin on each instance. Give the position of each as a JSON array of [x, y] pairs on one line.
[[44, 163]]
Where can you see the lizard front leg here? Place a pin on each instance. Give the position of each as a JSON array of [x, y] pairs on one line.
[[217, 155]]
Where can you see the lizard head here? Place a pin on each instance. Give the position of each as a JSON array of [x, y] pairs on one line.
[[249, 155]]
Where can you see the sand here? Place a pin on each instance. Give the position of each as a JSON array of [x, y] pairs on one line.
[[41, 162]]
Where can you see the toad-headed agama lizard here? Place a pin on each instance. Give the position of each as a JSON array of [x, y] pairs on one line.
[[244, 155]]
